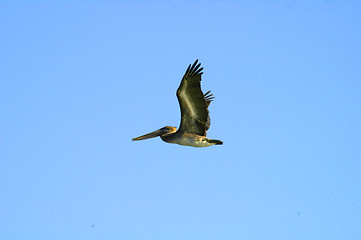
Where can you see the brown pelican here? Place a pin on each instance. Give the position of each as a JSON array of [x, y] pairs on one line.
[[195, 119]]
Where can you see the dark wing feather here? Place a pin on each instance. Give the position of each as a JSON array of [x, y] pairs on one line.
[[193, 103], [208, 97]]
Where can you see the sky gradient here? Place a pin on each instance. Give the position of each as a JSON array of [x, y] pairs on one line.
[[79, 80]]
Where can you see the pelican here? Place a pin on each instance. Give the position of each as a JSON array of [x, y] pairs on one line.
[[195, 119]]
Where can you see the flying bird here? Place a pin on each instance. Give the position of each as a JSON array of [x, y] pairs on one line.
[[195, 119]]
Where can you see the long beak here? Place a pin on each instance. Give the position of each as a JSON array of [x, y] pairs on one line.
[[157, 133]]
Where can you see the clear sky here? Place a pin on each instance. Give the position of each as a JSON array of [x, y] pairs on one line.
[[79, 80]]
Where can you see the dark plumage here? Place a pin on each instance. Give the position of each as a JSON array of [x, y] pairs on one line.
[[195, 120]]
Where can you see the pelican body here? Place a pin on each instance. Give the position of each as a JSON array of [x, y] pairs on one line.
[[195, 120]]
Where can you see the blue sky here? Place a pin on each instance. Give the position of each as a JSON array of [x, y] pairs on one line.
[[79, 80]]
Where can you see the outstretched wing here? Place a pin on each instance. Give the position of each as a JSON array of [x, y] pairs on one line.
[[193, 103]]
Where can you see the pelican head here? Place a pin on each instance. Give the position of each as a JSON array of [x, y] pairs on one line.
[[160, 132]]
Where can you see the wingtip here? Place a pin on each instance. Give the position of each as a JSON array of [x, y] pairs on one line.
[[193, 69], [194, 66]]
